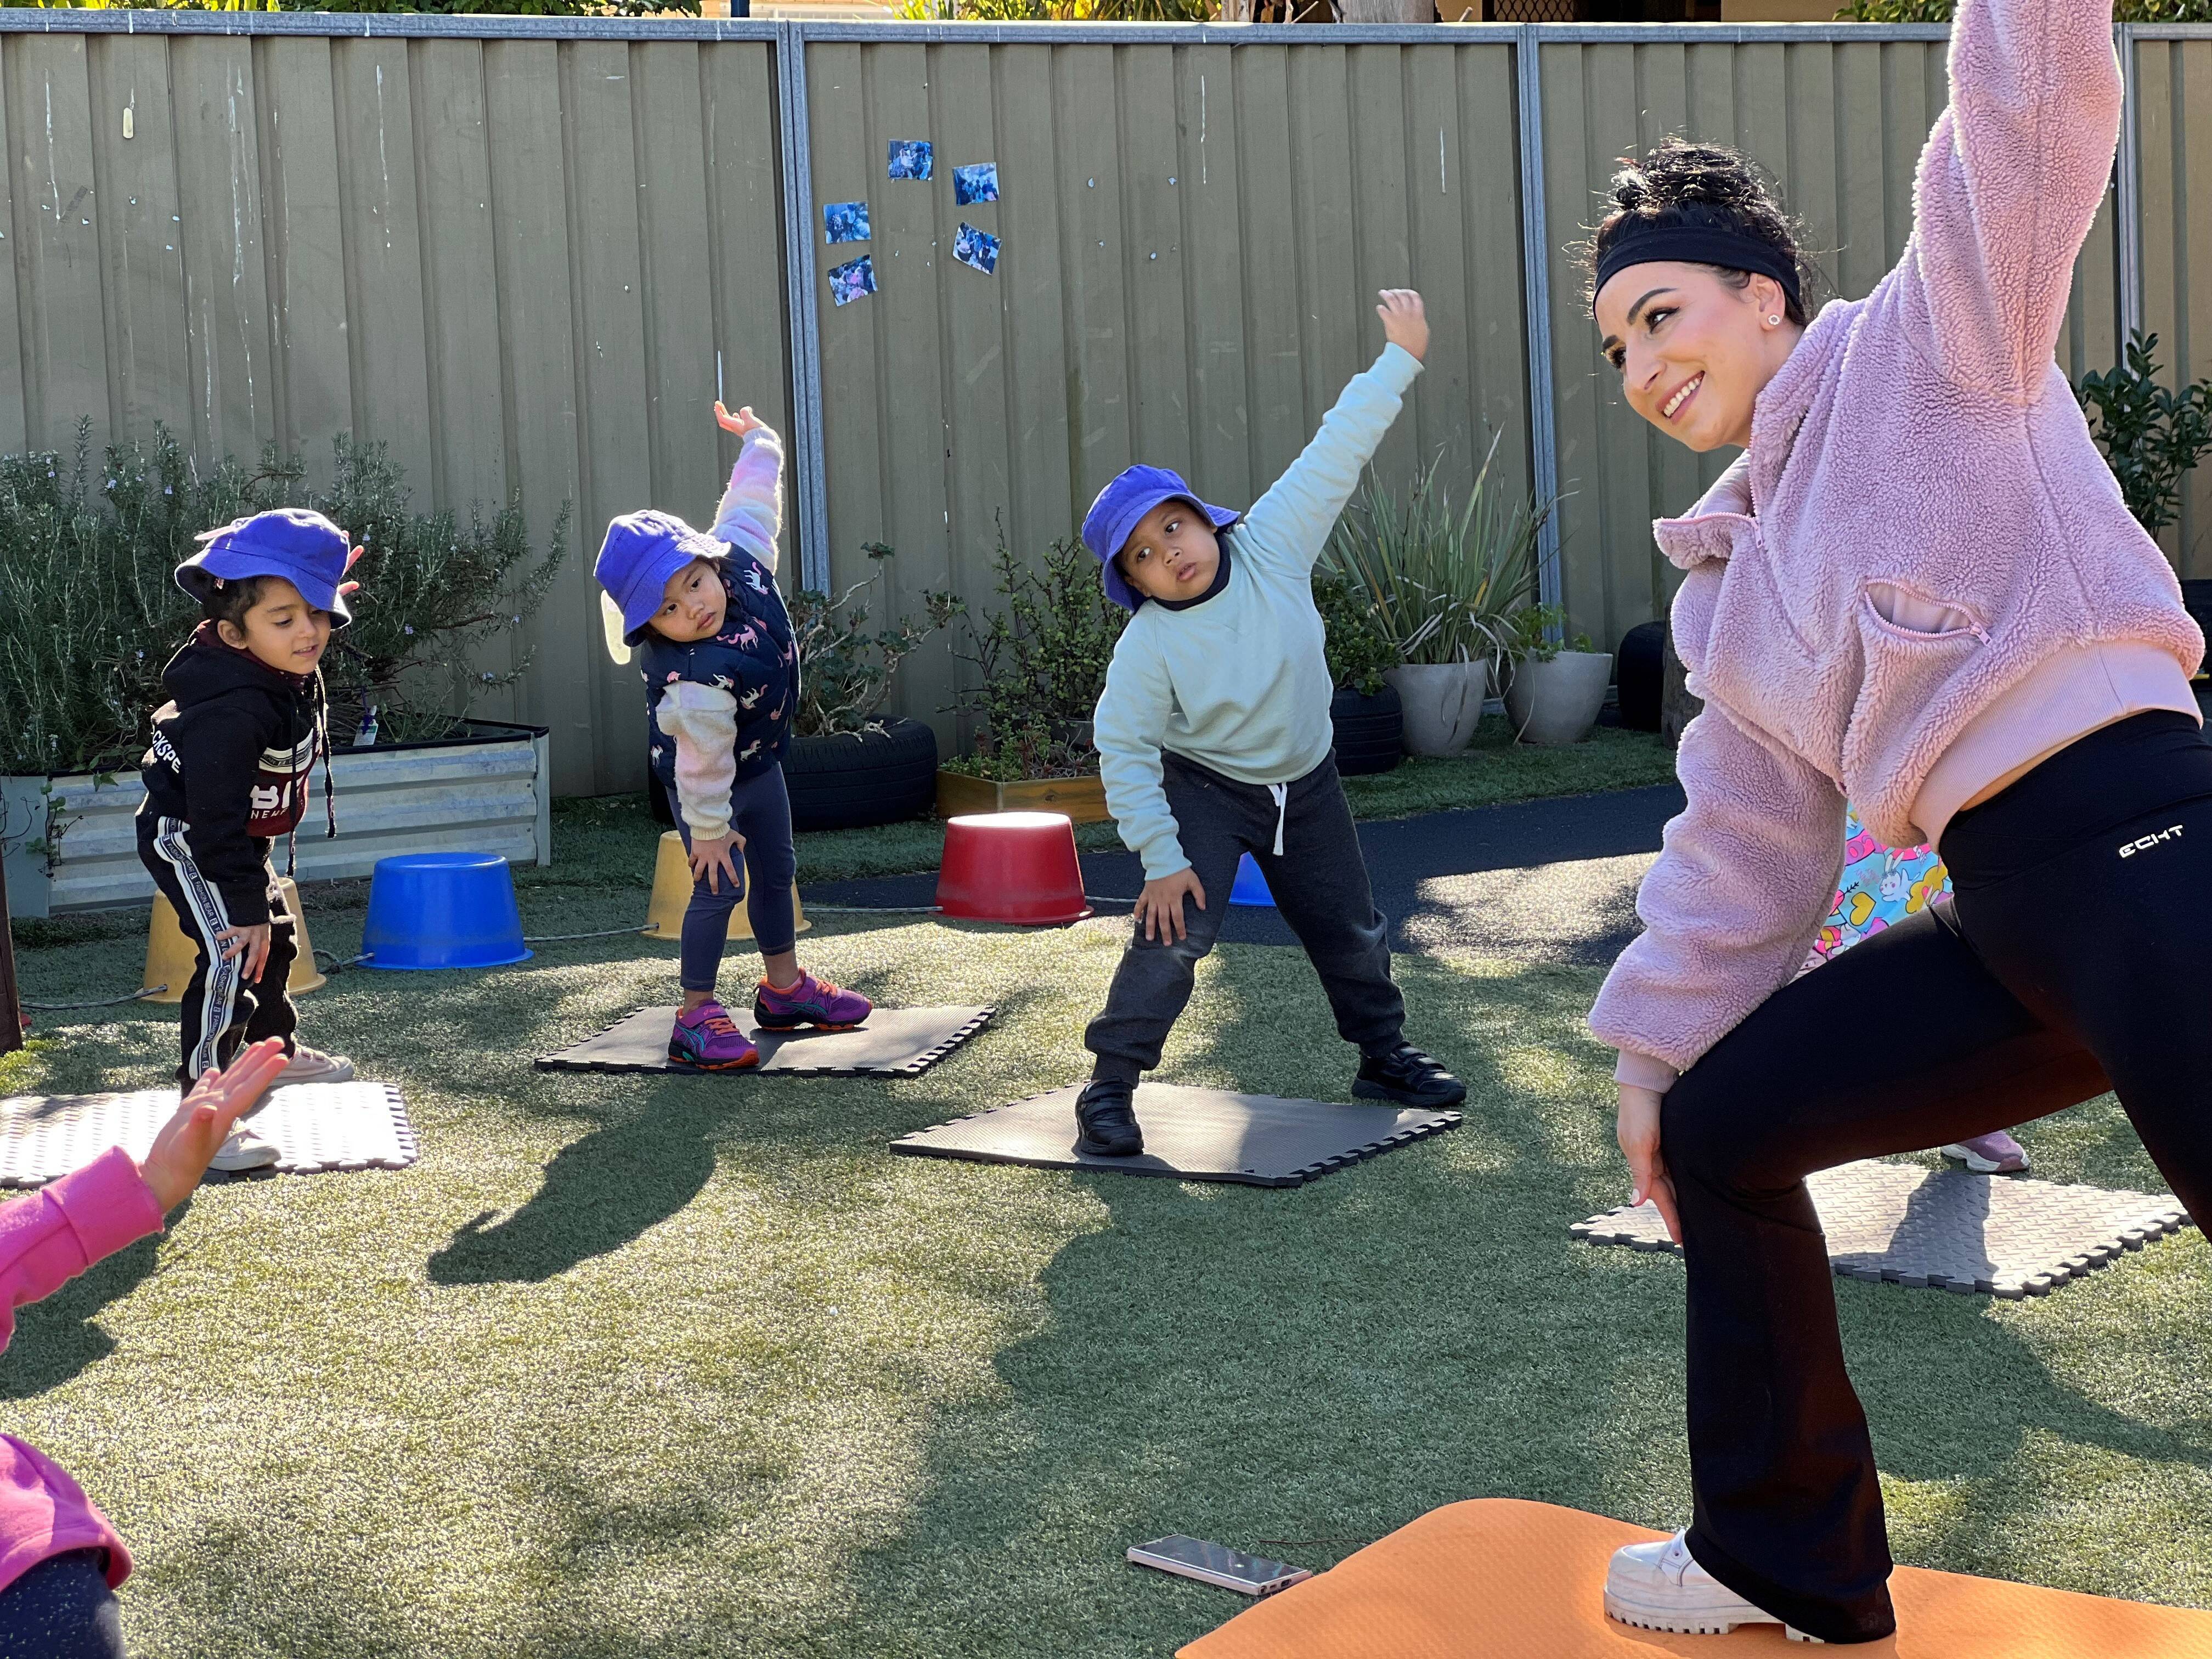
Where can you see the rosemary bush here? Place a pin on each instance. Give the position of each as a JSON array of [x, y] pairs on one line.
[[1442, 586], [90, 612], [844, 672], [1039, 663]]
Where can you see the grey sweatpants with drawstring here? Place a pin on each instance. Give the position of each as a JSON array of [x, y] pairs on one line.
[[1319, 883]]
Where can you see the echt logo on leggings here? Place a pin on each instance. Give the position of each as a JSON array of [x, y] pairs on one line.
[[2136, 847]]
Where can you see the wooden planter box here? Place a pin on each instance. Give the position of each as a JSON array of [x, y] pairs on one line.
[[487, 791], [1084, 800]]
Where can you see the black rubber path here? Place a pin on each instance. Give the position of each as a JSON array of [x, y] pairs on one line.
[[1550, 881]]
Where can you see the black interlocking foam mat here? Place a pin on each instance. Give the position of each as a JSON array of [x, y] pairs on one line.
[[891, 1043], [317, 1127], [1947, 1230], [1190, 1134]]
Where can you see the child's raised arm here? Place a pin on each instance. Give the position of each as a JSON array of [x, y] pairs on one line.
[[750, 514], [1289, 526]]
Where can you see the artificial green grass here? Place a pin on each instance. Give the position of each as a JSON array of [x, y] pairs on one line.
[[635, 1366]]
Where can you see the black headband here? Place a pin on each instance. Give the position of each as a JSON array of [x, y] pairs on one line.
[[1698, 244]]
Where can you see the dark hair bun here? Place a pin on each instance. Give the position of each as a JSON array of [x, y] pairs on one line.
[[1710, 185]]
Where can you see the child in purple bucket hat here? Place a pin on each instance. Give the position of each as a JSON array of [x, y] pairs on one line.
[[1214, 741], [233, 752], [722, 686]]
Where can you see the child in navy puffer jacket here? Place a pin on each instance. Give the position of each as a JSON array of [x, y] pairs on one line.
[[721, 678]]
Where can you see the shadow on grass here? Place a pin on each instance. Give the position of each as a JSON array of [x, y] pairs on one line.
[[59, 1339], [600, 1194]]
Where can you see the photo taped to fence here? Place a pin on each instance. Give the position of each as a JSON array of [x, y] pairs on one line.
[[979, 183], [849, 282], [912, 158], [846, 222]]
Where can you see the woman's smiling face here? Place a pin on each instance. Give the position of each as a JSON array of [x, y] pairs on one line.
[[1694, 351]]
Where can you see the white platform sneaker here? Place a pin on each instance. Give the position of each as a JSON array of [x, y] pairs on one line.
[[244, 1150], [1660, 1586], [313, 1066]]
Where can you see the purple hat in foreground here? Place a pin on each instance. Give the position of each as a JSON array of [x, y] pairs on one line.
[[1122, 505], [642, 550], [306, 549]]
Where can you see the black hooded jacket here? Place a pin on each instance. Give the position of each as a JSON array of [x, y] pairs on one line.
[[231, 754]]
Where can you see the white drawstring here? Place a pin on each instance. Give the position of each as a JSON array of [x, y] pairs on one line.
[[1281, 792]]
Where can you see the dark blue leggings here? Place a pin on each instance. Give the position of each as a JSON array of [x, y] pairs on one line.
[[62, 1608], [759, 811]]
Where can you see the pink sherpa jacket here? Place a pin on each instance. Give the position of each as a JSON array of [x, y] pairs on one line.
[[47, 1238], [1920, 447]]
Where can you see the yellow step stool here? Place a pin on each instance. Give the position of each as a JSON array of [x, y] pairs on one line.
[[170, 955], [671, 896]]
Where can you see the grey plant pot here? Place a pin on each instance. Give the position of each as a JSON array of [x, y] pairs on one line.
[[1555, 704], [1443, 704]]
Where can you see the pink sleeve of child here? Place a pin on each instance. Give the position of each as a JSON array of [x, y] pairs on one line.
[[49, 1237], [750, 514]]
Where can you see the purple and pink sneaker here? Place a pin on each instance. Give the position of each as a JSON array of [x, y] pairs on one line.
[[810, 1002], [707, 1040]]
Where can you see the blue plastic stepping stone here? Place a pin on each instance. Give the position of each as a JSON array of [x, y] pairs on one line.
[[1251, 886]]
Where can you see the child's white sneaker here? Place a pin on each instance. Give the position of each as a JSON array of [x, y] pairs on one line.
[[1660, 1586], [313, 1066], [245, 1150]]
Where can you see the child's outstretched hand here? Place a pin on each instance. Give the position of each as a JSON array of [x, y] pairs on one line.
[[204, 1119], [1404, 322], [738, 424], [1160, 905]]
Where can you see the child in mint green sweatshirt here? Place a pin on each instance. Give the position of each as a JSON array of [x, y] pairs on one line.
[[1214, 741]]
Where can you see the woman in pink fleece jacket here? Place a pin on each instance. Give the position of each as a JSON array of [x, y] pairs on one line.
[[59, 1558], [1919, 588]]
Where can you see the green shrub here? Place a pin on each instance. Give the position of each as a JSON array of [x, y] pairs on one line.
[[844, 672], [90, 612], [2150, 436], [1039, 663], [1359, 653]]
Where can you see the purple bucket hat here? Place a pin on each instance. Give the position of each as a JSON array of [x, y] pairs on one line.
[[1115, 515], [641, 551], [306, 549]]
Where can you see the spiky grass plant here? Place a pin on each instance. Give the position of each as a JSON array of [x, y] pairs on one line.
[[1443, 583]]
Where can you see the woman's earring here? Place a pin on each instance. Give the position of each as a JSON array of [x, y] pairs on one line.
[[1774, 322]]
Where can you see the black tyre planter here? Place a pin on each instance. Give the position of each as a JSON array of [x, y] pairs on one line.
[[861, 778], [1640, 669], [1370, 731]]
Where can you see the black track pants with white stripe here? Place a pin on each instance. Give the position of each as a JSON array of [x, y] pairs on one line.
[[223, 1011]]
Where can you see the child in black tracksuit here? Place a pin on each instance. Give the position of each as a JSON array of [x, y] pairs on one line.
[[228, 772]]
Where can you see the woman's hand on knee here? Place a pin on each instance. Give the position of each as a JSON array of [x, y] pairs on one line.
[[718, 853], [1160, 905], [1637, 1126]]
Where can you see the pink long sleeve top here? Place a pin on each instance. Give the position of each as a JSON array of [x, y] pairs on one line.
[[47, 1238], [1918, 456]]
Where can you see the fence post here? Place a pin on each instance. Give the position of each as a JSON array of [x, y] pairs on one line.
[[1536, 268], [2127, 194], [808, 467], [11, 1005]]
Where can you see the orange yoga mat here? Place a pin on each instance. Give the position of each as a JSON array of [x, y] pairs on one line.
[[1498, 1578]]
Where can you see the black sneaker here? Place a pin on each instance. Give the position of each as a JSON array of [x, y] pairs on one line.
[[1408, 1077], [1106, 1123]]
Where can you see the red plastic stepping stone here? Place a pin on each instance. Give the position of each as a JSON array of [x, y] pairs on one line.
[[1011, 866]]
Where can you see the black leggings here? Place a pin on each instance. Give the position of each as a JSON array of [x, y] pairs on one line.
[[2069, 961], [62, 1608]]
